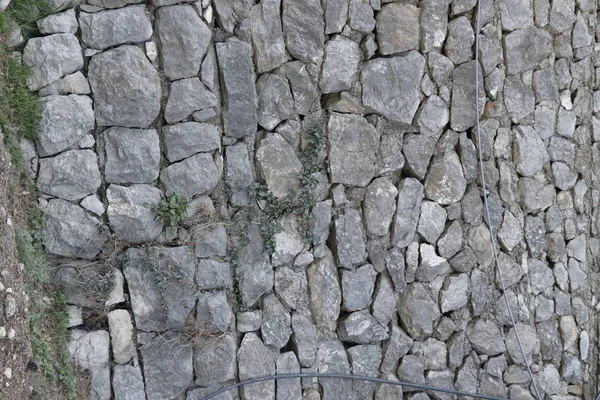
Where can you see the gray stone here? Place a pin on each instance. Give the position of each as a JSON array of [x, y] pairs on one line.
[[71, 175], [248, 321], [110, 3], [529, 151], [239, 91], [433, 32], [288, 242], [485, 338], [581, 35], [562, 15], [384, 300], [516, 14], [545, 121], [130, 217], [431, 265], [121, 336], [541, 277], [184, 39], [75, 83], [213, 275], [267, 35], [379, 207], [210, 241], [390, 85], [332, 358], [255, 360], [410, 195], [397, 28], [518, 99], [451, 241], [529, 341], [168, 369], [131, 155], [431, 221], [365, 361], [303, 29], [349, 239], [360, 327], [279, 165], [304, 339], [287, 363], [304, 90], [418, 150], [229, 13], [441, 67], [544, 84], [185, 139], [360, 16], [158, 299], [535, 234], [479, 241], [340, 65], [276, 322], [454, 293], [325, 294], [93, 204], [460, 40], [126, 88], [50, 58], [472, 206], [64, 22], [215, 360], [291, 286], [110, 28], [195, 175], [561, 149], [510, 234], [511, 271], [565, 124], [64, 121], [88, 285], [127, 382], [254, 274], [69, 232], [418, 311], [336, 14], [90, 351], [577, 248], [411, 369], [275, 101], [352, 156], [445, 182], [213, 314], [536, 196], [394, 348], [185, 97], [433, 116], [433, 353], [525, 48], [204, 115], [238, 173], [564, 178], [357, 287], [462, 109]]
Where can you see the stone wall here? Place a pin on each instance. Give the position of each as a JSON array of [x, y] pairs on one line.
[[328, 152]]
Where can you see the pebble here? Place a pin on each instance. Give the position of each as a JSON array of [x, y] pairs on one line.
[[8, 373]]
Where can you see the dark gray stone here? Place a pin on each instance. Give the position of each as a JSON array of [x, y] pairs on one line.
[[433, 116], [418, 150], [127, 382], [213, 275], [276, 323], [485, 338], [451, 241], [349, 239], [432, 221], [357, 287], [303, 29], [255, 360], [213, 313], [267, 35], [384, 300], [410, 195], [291, 286], [195, 175], [365, 361], [360, 16], [324, 293], [279, 165], [411, 369], [287, 363], [332, 358], [445, 182], [360, 327], [525, 48], [215, 360], [304, 339], [275, 101], [336, 15], [458, 47], [303, 88], [254, 274], [462, 109], [397, 28], [131, 155], [418, 311], [238, 173]]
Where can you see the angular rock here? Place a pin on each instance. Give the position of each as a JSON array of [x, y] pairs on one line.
[[213, 314], [275, 101], [479, 241], [535, 234], [64, 22], [267, 35], [485, 338], [518, 99], [390, 85], [365, 361], [121, 335], [289, 242], [69, 232], [397, 28], [352, 149], [418, 150], [360, 327], [130, 217], [357, 287], [525, 48], [332, 358], [248, 321], [287, 363], [418, 311], [239, 91], [291, 287], [454, 293], [445, 182], [255, 360], [325, 294], [411, 369], [431, 221], [562, 15], [188, 138], [71, 175], [516, 14], [410, 195], [431, 265], [238, 173], [349, 243], [213, 275], [340, 65], [131, 155], [379, 207], [384, 301], [127, 382], [110, 28], [529, 341], [303, 29], [111, 3], [451, 241], [126, 88], [433, 32], [254, 274], [64, 121], [511, 271], [536, 196], [185, 97], [336, 15], [195, 175], [529, 151], [215, 360], [303, 88], [90, 351], [184, 39], [279, 165], [304, 339], [544, 84], [433, 116], [168, 368], [460, 40], [462, 109], [87, 285], [50, 58], [276, 323], [159, 300], [564, 178]]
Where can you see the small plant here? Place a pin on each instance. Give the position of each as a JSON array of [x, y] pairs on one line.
[[171, 211]]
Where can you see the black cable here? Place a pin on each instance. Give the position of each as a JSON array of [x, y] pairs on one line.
[[348, 376]]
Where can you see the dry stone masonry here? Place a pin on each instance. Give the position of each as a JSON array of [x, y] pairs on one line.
[[335, 219]]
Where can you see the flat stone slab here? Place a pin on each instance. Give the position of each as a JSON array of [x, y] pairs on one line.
[[109, 28]]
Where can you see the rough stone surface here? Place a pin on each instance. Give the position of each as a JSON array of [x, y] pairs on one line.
[[267, 35], [71, 175], [445, 182], [303, 29], [187, 96], [254, 360], [275, 101], [525, 48], [188, 138], [110, 28], [418, 311], [279, 165], [131, 155], [462, 108], [460, 40], [340, 65], [349, 244], [379, 207], [195, 175], [410, 195], [325, 293], [357, 287], [529, 151], [397, 28]]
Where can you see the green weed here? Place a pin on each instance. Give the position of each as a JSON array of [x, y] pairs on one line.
[[170, 211]]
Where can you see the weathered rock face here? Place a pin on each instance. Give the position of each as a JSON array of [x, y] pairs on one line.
[[379, 206], [340, 65], [275, 101], [462, 109], [410, 195], [110, 28], [126, 88], [90, 351], [418, 311], [325, 293], [195, 175], [303, 29], [188, 138], [187, 96], [254, 360], [71, 175], [445, 182], [279, 165], [397, 28], [267, 35]]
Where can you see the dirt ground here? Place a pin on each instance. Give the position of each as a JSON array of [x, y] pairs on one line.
[[15, 351]]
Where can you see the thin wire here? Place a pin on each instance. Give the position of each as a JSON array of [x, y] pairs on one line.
[[486, 204], [348, 376]]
